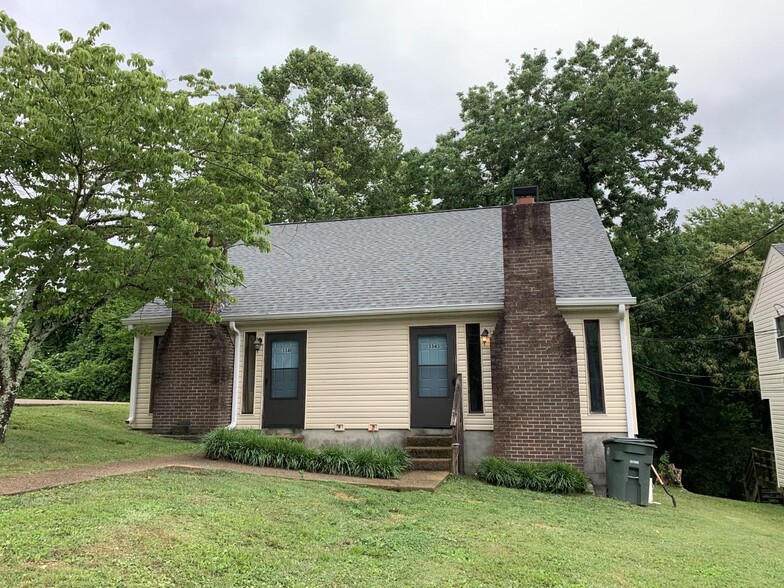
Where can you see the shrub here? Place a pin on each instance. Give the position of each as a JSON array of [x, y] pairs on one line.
[[557, 478], [254, 448]]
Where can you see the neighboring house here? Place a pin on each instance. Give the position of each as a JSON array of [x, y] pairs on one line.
[[352, 326], [767, 314]]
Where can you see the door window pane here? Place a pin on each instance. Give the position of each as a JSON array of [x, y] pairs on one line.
[[433, 369], [284, 369]]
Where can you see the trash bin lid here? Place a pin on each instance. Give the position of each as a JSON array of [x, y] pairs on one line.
[[630, 441]]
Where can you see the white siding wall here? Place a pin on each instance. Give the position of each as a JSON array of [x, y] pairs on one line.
[[357, 370], [771, 368], [614, 418]]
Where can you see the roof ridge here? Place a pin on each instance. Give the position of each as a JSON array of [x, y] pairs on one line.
[[415, 213], [398, 214]]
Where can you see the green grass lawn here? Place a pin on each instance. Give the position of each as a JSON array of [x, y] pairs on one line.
[[53, 437], [173, 528], [180, 528]]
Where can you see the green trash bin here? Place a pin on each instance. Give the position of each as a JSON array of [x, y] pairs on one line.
[[629, 468]]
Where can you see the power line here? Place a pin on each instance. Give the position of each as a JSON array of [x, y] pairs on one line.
[[683, 382], [688, 310], [704, 275]]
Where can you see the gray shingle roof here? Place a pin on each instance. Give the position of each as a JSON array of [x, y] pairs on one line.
[[779, 247], [414, 261]]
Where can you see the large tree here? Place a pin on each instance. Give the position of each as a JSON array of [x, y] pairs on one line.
[[695, 368], [605, 123], [111, 184], [340, 148]]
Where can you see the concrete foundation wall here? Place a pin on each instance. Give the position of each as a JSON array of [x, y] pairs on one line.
[[593, 456], [478, 444]]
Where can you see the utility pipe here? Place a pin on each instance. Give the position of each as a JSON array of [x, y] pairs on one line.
[[627, 376], [236, 377], [134, 378]]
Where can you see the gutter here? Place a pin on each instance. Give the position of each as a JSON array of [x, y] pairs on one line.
[[402, 310], [134, 379], [488, 307], [236, 376], [582, 302], [626, 363]]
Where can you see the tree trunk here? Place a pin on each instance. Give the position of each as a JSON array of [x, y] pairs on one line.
[[7, 398], [11, 376]]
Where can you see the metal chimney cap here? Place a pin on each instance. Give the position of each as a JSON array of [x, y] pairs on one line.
[[523, 191]]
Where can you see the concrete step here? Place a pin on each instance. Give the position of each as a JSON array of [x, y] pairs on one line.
[[429, 441], [430, 452], [427, 463]]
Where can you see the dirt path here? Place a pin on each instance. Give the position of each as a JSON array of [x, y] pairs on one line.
[[416, 480]]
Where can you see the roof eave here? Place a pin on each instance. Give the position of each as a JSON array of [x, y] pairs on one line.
[[453, 308], [583, 302]]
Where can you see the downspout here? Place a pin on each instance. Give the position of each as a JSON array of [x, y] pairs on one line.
[[134, 378], [627, 380], [236, 377]]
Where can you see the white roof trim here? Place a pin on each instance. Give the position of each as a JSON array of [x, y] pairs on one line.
[[340, 313], [489, 307], [580, 302], [753, 307]]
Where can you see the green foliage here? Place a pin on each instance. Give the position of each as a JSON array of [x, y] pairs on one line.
[[605, 123], [254, 448], [113, 185], [555, 478], [695, 368], [339, 148]]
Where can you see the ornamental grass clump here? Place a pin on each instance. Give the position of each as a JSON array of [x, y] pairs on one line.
[[254, 448], [555, 477]]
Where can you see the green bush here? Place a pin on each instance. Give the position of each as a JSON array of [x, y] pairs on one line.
[[254, 448], [556, 478]]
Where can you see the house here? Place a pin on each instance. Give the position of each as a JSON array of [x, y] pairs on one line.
[[354, 331], [767, 314]]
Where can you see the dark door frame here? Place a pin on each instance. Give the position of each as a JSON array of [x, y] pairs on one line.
[[288, 413], [432, 413]]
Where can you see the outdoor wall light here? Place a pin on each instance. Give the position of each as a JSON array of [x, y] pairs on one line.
[[257, 344], [485, 338]]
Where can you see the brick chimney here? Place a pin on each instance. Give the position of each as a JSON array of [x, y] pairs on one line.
[[536, 402], [193, 377]]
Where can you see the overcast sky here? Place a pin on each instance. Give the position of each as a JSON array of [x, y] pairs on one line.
[[730, 55]]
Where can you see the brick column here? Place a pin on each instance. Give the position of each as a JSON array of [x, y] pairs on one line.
[[536, 402], [193, 376]]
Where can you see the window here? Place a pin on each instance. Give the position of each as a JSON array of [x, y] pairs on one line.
[[249, 378], [153, 368], [433, 366], [474, 349], [780, 335], [284, 371], [593, 356]]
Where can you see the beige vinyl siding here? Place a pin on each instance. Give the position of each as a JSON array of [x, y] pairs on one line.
[[613, 420], [143, 417], [777, 423], [250, 420], [476, 421], [357, 370], [769, 301], [771, 292]]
